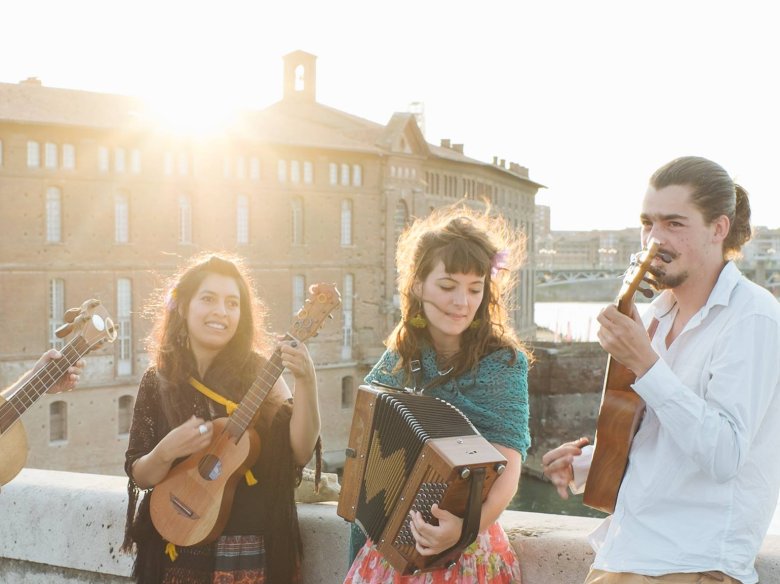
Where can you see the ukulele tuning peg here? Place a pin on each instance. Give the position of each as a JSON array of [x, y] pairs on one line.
[[63, 330], [330, 316], [665, 257], [71, 314]]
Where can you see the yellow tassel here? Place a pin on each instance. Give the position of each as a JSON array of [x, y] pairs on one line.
[[250, 478], [171, 552]]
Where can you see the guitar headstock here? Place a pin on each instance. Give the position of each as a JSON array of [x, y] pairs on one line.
[[635, 275], [323, 298], [90, 321]]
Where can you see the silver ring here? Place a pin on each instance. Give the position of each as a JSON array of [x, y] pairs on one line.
[[203, 428]]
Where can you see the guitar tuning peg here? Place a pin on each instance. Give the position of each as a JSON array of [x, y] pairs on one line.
[[63, 330], [647, 292], [665, 257], [71, 314], [330, 316]]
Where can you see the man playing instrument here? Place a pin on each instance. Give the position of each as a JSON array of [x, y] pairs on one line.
[[702, 480]]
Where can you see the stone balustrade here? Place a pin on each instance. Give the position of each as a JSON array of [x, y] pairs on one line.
[[66, 528]]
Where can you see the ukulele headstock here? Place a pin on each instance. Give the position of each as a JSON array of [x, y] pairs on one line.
[[91, 321], [323, 299]]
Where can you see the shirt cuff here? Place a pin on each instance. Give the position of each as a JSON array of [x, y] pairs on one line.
[[580, 467], [657, 385]]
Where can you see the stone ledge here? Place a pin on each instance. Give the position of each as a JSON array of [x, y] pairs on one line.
[[66, 528]]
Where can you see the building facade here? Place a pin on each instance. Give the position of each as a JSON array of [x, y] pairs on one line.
[[97, 202]]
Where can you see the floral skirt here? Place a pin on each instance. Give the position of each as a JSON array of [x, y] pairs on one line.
[[490, 559]]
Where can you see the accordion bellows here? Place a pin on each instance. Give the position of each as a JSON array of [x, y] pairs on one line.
[[407, 452]]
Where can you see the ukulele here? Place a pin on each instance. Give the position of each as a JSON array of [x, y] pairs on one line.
[[621, 407], [192, 504], [94, 327]]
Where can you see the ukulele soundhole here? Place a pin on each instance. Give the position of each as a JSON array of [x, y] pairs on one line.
[[210, 467]]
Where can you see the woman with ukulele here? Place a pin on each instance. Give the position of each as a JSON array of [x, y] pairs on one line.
[[455, 274], [206, 354]]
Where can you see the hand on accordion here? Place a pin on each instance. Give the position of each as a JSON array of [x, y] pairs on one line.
[[434, 539]]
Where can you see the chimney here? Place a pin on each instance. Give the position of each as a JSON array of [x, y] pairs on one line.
[[495, 161], [31, 81], [503, 163], [445, 142], [458, 148]]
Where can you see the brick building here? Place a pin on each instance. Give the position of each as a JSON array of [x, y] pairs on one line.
[[96, 201]]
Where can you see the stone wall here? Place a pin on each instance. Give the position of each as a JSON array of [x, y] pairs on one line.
[[66, 528]]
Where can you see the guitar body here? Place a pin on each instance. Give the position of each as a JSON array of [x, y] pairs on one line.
[[621, 408], [619, 417], [192, 504], [13, 451]]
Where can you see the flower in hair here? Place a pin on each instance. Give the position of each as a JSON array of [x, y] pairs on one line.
[[499, 262], [170, 299]]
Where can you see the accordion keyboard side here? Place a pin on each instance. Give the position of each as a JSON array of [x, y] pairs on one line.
[[438, 477]]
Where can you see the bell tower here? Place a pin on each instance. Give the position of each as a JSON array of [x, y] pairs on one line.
[[300, 77]]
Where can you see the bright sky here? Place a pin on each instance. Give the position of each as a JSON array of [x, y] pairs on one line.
[[591, 96]]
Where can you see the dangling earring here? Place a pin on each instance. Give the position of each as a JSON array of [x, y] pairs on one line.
[[419, 321], [183, 338], [475, 324]]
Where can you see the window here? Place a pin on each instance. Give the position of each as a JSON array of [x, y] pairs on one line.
[[298, 293], [345, 175], [58, 421], [102, 159], [135, 161], [185, 220], [124, 337], [53, 215], [295, 171], [296, 211], [119, 160], [50, 155], [68, 156], [308, 172], [124, 415], [167, 164], [333, 171], [242, 220], [346, 222], [281, 171], [183, 164], [357, 175], [33, 154], [300, 78], [347, 391], [346, 310], [254, 168], [56, 311], [121, 218], [240, 168]]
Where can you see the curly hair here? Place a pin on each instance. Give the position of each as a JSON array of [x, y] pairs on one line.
[[166, 343], [467, 242]]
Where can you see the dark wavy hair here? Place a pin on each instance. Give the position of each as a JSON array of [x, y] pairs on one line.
[[167, 342], [714, 193], [467, 242]]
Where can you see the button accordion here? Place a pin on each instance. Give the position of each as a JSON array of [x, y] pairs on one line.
[[406, 452]]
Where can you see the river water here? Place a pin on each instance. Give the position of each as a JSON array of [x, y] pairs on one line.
[[571, 321]]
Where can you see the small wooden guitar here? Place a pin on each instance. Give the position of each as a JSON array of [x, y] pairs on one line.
[[192, 504], [94, 327], [621, 408]]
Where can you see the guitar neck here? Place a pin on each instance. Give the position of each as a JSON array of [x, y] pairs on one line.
[[41, 381], [242, 417]]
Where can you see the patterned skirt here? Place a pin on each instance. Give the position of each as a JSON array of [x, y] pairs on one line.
[[490, 559], [232, 559]]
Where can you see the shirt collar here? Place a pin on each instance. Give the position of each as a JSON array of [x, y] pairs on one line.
[[721, 293]]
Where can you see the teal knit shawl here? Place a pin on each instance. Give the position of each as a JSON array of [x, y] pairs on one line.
[[494, 397]]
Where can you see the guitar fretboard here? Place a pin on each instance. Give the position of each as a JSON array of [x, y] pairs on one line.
[[41, 381]]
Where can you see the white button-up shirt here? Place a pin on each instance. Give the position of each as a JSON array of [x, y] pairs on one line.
[[702, 480]]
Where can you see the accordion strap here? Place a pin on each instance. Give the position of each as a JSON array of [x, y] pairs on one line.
[[471, 520]]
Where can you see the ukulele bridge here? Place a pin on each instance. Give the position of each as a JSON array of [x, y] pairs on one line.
[[183, 509]]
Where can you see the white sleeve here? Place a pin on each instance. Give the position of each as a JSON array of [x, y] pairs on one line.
[[581, 465]]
